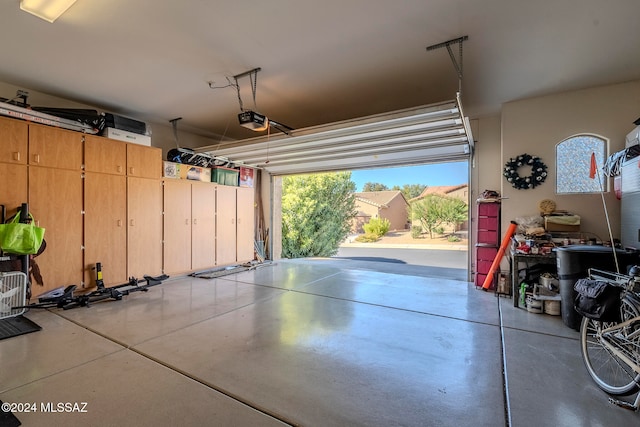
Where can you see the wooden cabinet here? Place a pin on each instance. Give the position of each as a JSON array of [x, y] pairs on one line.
[[14, 137], [105, 227], [105, 155], [225, 225], [177, 226], [234, 224], [14, 187], [143, 161], [245, 208], [144, 227], [55, 148], [55, 200], [203, 230], [189, 226]]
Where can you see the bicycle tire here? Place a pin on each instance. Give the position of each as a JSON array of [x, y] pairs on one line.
[[609, 372]]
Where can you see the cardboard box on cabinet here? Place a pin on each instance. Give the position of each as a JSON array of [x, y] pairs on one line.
[[195, 173], [172, 170]]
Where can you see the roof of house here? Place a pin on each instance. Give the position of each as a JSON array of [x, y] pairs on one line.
[[442, 190], [379, 198]]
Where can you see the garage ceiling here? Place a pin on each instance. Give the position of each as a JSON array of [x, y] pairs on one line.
[[321, 61]]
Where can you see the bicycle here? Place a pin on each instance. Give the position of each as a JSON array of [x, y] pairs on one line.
[[611, 350]]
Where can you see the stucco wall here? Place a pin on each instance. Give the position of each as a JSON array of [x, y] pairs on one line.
[[536, 125]]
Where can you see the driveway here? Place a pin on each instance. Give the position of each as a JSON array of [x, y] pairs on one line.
[[435, 260]]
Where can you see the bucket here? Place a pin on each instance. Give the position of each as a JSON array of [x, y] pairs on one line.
[[552, 307], [533, 305]]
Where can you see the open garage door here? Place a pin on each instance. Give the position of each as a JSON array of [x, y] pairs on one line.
[[428, 134]]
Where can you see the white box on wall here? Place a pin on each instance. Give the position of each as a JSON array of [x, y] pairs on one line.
[[123, 135]]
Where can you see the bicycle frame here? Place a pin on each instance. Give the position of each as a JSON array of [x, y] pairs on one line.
[[622, 340]]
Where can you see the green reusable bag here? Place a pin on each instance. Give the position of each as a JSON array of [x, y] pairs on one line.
[[21, 239]]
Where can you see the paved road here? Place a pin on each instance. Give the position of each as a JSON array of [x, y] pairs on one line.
[[431, 262]]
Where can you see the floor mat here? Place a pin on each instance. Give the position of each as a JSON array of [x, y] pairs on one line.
[[7, 419], [14, 326]]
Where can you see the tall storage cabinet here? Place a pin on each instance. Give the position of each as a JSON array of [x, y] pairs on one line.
[[144, 226], [203, 225], [177, 226], [487, 238], [225, 225], [245, 224], [14, 139], [105, 205], [55, 200], [189, 225], [234, 224]]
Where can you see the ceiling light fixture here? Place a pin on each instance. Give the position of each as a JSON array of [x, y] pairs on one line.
[[49, 10]]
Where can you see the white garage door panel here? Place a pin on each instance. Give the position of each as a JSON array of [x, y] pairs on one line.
[[428, 134]]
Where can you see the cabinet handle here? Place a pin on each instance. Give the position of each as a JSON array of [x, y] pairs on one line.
[[36, 158], [119, 169], [233, 220], [131, 170], [195, 221], [16, 156], [186, 221], [132, 223], [119, 223]]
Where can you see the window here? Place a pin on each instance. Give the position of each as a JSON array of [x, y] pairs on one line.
[[574, 164]]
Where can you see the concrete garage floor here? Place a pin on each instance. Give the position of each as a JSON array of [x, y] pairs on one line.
[[305, 342]]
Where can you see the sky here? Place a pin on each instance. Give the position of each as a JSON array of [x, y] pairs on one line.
[[452, 173]]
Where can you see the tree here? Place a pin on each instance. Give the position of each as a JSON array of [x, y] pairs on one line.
[[455, 211], [430, 212], [410, 191], [316, 213], [374, 186]]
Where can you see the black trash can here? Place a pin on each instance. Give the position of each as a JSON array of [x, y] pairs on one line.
[[574, 261]]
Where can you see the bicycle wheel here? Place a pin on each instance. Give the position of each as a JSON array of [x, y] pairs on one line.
[[609, 372]]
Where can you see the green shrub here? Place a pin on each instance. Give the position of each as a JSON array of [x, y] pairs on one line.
[[439, 230], [416, 231], [453, 238], [377, 226], [367, 238]]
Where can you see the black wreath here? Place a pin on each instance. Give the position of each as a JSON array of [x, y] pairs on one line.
[[538, 172]]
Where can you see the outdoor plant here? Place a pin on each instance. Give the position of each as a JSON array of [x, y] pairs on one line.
[[377, 226], [367, 238], [434, 211], [316, 213], [416, 231]]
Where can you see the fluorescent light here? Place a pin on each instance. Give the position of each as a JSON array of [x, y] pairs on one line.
[[49, 10]]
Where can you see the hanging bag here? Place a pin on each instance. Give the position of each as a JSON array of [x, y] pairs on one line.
[[598, 300], [19, 238]]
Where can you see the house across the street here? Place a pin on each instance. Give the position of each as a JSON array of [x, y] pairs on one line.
[[381, 204]]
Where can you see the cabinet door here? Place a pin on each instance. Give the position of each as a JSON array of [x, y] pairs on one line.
[[55, 200], [144, 231], [14, 189], [56, 148], [245, 224], [105, 231], [177, 226], [105, 155], [14, 137], [143, 161], [203, 229], [225, 225]]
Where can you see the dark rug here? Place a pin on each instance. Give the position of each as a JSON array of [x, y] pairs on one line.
[[7, 419], [14, 326]]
